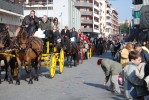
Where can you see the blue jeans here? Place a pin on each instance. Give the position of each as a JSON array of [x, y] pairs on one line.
[[31, 29]]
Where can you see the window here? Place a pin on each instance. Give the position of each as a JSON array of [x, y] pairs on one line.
[[85, 9], [137, 2], [85, 0], [137, 14]]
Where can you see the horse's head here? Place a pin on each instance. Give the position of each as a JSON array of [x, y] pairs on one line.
[[23, 38], [4, 36]]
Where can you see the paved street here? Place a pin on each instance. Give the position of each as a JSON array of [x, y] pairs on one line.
[[77, 83]]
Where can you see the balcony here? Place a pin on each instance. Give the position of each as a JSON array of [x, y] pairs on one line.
[[96, 30], [79, 4], [96, 15], [87, 13], [18, 9], [87, 21], [137, 7], [96, 7], [108, 9], [108, 15], [96, 23], [136, 21], [108, 21], [86, 29]]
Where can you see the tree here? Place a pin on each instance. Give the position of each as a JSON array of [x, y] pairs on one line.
[[124, 28]]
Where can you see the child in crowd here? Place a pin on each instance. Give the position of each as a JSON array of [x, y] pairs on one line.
[[134, 87]]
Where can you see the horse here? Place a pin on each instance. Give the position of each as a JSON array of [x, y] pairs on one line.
[[5, 45], [28, 52], [71, 51]]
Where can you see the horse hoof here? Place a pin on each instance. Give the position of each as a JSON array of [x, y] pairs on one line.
[[36, 79], [30, 82], [17, 83], [10, 82]]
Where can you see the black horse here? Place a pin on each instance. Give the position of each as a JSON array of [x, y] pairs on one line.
[[71, 52]]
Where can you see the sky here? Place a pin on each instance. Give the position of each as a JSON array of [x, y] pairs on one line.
[[123, 7]]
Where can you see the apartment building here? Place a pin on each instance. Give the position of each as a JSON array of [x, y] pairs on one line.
[[103, 15], [64, 10], [10, 13], [115, 25], [89, 15]]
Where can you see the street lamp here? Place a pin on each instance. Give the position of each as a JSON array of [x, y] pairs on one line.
[[47, 7]]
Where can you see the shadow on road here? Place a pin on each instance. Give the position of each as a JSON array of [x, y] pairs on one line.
[[96, 85], [114, 97]]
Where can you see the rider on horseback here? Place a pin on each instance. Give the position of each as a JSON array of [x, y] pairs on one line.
[[65, 35], [74, 38], [30, 22]]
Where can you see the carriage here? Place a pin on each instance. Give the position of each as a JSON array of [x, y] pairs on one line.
[[24, 49], [52, 56]]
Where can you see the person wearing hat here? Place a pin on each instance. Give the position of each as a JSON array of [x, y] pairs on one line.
[[112, 69]]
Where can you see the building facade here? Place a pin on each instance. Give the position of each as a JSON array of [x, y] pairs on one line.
[[64, 10], [89, 15], [137, 4], [10, 13], [108, 18], [115, 25]]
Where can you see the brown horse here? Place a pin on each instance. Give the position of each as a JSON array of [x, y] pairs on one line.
[[5, 42], [28, 52]]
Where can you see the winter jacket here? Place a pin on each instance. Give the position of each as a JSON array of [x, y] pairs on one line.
[[133, 86], [45, 26], [124, 57], [110, 67], [31, 22]]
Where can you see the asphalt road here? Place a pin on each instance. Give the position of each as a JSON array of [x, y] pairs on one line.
[[83, 82]]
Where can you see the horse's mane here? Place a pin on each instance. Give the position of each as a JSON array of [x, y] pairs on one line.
[[4, 35]]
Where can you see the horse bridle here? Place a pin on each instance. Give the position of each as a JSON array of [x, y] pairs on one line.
[[2, 36]]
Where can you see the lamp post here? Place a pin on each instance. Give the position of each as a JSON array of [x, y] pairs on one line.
[[61, 19], [47, 8]]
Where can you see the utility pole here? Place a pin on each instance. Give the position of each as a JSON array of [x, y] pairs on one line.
[[47, 8]]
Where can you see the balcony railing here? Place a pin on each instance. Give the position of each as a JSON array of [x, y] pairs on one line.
[[87, 13], [79, 4], [137, 7], [11, 7], [136, 21], [87, 21], [86, 29]]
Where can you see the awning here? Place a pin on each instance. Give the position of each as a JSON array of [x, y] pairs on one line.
[[10, 13]]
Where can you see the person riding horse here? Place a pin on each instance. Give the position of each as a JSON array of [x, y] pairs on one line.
[[31, 22], [65, 35]]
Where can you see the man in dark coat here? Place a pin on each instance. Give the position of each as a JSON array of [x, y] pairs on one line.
[[65, 36], [31, 21]]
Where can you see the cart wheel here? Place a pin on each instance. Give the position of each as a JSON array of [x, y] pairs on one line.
[[61, 61], [90, 53], [15, 72], [52, 66], [82, 56]]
